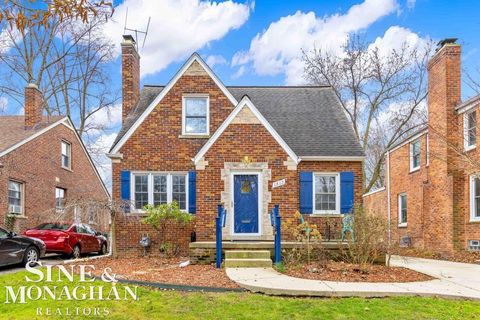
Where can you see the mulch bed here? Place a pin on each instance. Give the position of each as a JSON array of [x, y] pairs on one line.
[[461, 256], [340, 271], [164, 270]]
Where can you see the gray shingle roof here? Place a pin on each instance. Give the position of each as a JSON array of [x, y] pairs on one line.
[[309, 119]]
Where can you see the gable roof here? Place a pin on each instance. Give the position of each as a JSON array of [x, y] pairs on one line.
[[13, 132], [13, 135], [245, 103], [136, 121], [309, 119]]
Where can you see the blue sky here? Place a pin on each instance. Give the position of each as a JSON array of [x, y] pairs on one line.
[[434, 19]]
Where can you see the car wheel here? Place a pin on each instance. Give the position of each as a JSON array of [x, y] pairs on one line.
[[103, 249], [76, 252], [31, 255]]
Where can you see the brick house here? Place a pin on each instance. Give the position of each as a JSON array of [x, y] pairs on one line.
[[432, 183], [200, 143], [43, 165]]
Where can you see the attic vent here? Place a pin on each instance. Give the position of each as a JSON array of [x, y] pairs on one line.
[[474, 245]]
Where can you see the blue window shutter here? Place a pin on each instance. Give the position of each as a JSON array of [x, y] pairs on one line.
[[346, 191], [125, 185], [306, 192], [192, 192], [125, 188]]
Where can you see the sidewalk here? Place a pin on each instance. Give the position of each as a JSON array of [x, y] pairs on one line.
[[454, 280]]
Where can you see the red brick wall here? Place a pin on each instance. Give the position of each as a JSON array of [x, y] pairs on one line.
[[414, 185], [157, 145], [38, 165], [130, 77], [376, 202]]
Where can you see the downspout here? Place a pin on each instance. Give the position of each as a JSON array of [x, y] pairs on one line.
[[388, 201]]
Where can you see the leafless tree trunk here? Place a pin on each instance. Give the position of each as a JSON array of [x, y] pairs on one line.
[[382, 94]]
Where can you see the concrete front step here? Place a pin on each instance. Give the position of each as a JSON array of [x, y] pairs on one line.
[[247, 254], [248, 263]]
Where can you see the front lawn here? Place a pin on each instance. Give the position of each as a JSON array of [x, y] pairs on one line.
[[153, 304]]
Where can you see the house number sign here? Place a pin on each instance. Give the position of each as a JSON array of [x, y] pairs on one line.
[[278, 183]]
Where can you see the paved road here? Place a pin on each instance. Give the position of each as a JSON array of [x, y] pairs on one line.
[[454, 280]]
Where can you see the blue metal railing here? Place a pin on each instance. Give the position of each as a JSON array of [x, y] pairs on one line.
[[277, 225], [219, 224]]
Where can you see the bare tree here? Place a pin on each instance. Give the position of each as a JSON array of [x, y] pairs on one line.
[[22, 14], [473, 80], [68, 61], [382, 92]]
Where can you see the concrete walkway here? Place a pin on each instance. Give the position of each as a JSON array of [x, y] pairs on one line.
[[454, 280]]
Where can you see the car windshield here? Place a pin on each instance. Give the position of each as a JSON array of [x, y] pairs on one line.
[[53, 226]]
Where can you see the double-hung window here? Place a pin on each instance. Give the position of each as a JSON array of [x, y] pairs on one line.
[[326, 193], [159, 188], [66, 155], [415, 155], [195, 120], [470, 130], [59, 198], [15, 197], [402, 209], [474, 198]]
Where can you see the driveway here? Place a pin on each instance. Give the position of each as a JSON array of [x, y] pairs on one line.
[[454, 280], [49, 259]]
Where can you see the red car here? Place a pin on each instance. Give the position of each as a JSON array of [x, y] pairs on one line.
[[71, 239]]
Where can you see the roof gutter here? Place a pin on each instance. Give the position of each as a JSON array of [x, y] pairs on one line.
[[331, 158]]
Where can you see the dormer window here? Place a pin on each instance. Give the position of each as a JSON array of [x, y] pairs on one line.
[[415, 155], [195, 119], [470, 130]]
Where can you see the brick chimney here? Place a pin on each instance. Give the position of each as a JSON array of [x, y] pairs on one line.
[[33, 105], [130, 75], [444, 94]]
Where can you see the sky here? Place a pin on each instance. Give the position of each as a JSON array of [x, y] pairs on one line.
[[261, 42]]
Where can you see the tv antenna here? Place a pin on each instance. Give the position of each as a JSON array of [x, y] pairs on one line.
[[136, 31]]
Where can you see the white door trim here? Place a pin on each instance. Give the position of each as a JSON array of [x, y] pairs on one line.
[[259, 200]]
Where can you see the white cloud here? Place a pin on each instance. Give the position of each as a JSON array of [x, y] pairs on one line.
[[240, 72], [396, 37], [98, 150], [278, 49], [177, 28], [104, 119], [214, 60]]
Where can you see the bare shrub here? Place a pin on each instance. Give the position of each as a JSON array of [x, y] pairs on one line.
[[368, 241]]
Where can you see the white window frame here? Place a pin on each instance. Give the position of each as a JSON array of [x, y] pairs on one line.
[[69, 149], [473, 218], [466, 141], [22, 197], [337, 193], [56, 204], [184, 114], [412, 168], [150, 175], [399, 204]]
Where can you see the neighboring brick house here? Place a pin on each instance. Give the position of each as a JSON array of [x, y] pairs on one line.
[[432, 187], [200, 143], [43, 165]]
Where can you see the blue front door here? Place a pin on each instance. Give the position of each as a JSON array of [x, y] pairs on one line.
[[245, 201]]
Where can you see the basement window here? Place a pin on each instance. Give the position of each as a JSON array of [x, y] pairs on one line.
[[470, 130], [195, 115], [415, 155], [474, 198]]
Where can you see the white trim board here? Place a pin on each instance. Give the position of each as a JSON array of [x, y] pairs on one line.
[[245, 102], [415, 137], [194, 57]]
